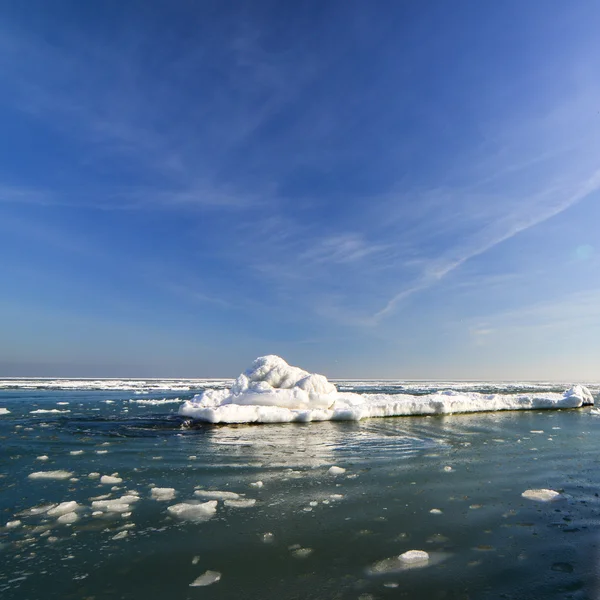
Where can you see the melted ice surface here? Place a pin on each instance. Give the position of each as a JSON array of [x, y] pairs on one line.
[[271, 391]]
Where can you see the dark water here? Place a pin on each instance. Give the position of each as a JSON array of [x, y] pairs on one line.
[[333, 536]]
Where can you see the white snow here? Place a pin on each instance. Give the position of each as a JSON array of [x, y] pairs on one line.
[[50, 475], [207, 578], [194, 511], [162, 493], [541, 495], [272, 391]]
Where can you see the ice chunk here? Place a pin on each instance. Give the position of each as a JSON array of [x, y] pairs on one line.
[[47, 410], [162, 493], [207, 578], [4, 411], [336, 470], [13, 524], [302, 552], [110, 479], [190, 511], [414, 556], [43, 457], [541, 495], [94, 475], [50, 475], [63, 508], [76, 452], [120, 535], [256, 484], [216, 495]]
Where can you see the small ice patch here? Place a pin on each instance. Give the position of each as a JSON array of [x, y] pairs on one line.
[[47, 410], [120, 535], [43, 457], [302, 552], [110, 479], [194, 512], [541, 495], [162, 493], [4, 411], [76, 452], [257, 484], [435, 511], [207, 578], [50, 475], [336, 470], [13, 524], [94, 475]]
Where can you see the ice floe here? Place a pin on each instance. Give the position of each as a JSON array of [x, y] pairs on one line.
[[542, 495], [50, 475], [162, 493], [207, 578], [216, 495], [271, 391], [190, 511], [4, 411], [110, 479]]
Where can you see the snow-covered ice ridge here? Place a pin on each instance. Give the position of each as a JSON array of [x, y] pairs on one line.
[[271, 391]]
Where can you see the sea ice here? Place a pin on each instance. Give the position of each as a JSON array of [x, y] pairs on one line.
[[272, 391], [207, 578], [194, 511], [67, 518], [76, 452], [50, 475], [162, 493], [43, 457], [13, 524], [541, 495], [256, 484], [47, 410], [4, 411]]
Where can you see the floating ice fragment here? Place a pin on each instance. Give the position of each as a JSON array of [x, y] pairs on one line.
[[541, 495], [207, 578], [13, 524], [257, 484], [94, 475], [193, 511], [268, 538], [110, 479], [336, 470], [240, 503], [448, 469], [4, 411], [435, 511], [76, 452], [216, 495], [120, 535], [43, 457], [47, 410], [302, 552], [162, 493], [50, 475]]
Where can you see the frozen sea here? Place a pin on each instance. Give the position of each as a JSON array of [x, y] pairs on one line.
[[106, 492]]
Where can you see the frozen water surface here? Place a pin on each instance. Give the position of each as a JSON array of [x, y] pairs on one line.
[[466, 489]]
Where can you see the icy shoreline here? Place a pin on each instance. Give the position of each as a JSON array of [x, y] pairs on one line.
[[271, 391]]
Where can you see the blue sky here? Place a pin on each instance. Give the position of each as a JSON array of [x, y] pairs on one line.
[[390, 189]]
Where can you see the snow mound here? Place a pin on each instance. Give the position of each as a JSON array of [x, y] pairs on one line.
[[271, 391]]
